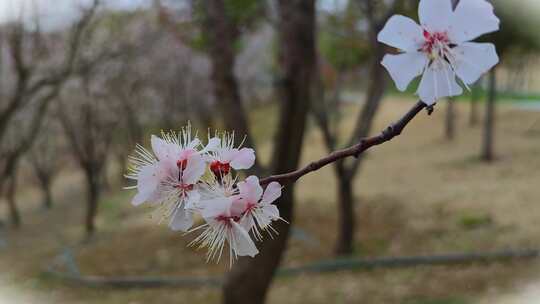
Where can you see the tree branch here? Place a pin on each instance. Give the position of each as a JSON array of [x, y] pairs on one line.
[[386, 135]]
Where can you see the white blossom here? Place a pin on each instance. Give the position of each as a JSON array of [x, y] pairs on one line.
[[439, 48]]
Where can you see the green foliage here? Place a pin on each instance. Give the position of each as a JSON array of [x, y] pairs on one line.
[[244, 12], [341, 42]]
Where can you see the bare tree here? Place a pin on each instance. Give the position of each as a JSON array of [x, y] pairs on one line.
[[346, 169], [88, 126], [249, 280], [36, 76], [222, 31], [86, 114], [45, 157], [475, 99]]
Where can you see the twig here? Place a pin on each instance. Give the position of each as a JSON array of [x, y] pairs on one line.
[[386, 135]]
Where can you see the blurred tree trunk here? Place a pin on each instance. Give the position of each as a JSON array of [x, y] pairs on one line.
[[222, 33], [250, 278], [347, 170], [45, 185], [93, 188], [47, 196], [14, 214], [450, 121], [473, 115], [488, 153], [346, 215]]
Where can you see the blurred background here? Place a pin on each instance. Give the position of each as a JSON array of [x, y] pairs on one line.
[[447, 213]]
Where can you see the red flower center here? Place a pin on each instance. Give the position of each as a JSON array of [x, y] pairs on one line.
[[220, 169], [432, 39], [184, 187], [227, 219], [182, 164]]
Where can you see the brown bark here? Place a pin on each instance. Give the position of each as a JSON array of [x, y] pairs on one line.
[[346, 170], [249, 280], [488, 153], [47, 197], [222, 33], [347, 218], [45, 185], [93, 191]]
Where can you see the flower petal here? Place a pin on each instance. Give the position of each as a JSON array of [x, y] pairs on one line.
[[471, 19], [181, 219], [250, 189], [241, 243], [213, 144], [403, 68], [148, 181], [473, 60], [271, 193], [194, 144], [215, 207], [271, 213], [194, 169], [193, 199], [162, 149], [139, 199], [439, 81], [226, 155], [435, 15], [244, 159], [403, 33], [247, 222]]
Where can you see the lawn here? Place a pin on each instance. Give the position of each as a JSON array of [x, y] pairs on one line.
[[417, 195]]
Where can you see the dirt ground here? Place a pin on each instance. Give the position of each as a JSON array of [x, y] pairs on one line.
[[418, 195]]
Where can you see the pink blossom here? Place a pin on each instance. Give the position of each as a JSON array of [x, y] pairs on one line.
[[227, 156], [256, 206]]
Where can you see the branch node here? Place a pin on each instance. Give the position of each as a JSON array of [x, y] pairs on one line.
[[430, 109], [389, 132]]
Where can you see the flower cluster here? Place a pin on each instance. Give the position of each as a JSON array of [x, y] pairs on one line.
[[185, 179], [440, 48]]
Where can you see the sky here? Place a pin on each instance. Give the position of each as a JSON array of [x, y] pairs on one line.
[[63, 12], [55, 13]]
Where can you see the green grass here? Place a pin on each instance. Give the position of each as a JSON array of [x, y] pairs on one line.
[[474, 221]]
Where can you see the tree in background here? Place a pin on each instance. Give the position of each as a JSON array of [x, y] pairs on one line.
[[344, 54], [516, 38], [37, 68], [476, 91], [249, 280], [45, 158], [86, 109], [88, 123]]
